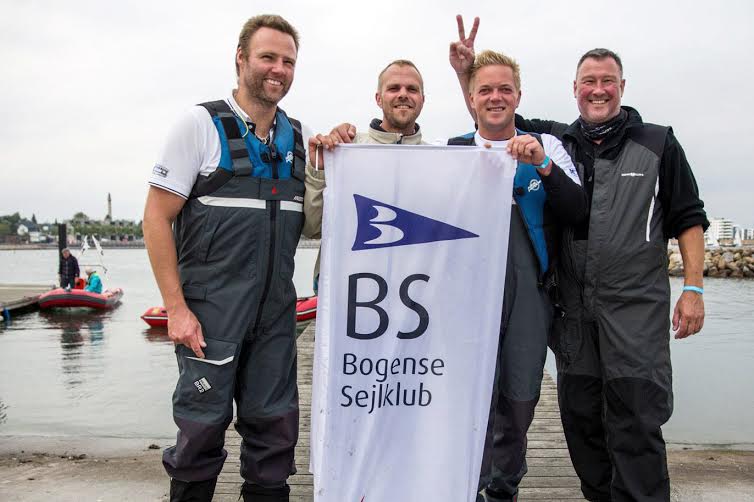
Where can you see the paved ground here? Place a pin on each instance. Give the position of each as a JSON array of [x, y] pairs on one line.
[[697, 476], [44, 477]]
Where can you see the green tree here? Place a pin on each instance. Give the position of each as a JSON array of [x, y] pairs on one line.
[[12, 220]]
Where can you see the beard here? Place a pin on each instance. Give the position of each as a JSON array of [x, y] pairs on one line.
[[401, 121], [398, 123], [255, 86]]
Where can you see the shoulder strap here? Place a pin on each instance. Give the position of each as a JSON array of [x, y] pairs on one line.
[[230, 135], [534, 134], [299, 150], [465, 140]]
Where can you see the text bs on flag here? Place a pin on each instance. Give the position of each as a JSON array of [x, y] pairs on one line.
[[414, 250]]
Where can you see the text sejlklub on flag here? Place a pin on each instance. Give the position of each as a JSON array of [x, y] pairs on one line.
[[414, 250]]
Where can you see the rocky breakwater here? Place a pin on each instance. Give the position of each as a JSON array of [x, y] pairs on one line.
[[718, 262]]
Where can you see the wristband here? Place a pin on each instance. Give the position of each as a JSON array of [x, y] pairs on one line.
[[544, 163], [694, 289]]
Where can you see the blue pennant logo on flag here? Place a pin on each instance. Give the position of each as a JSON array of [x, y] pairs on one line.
[[382, 225]]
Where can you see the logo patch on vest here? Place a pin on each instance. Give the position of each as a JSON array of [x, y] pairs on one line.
[[159, 170], [202, 385], [534, 185], [289, 157], [274, 190]]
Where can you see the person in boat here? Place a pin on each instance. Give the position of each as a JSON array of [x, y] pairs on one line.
[[611, 342], [231, 179], [68, 269], [547, 194], [400, 96], [93, 282]]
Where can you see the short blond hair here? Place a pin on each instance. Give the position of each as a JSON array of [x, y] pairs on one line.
[[254, 24], [399, 62], [489, 58]]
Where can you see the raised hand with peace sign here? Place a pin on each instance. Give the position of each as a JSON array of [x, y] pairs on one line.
[[462, 57], [462, 52]]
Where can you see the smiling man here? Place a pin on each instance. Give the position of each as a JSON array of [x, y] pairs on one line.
[[222, 220], [612, 345], [400, 96], [547, 195], [611, 342]]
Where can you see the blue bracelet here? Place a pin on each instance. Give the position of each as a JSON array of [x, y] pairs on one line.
[[544, 163], [694, 289]]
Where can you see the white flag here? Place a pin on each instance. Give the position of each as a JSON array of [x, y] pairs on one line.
[[84, 244], [414, 250], [97, 246]]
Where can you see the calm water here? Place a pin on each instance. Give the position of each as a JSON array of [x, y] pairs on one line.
[[75, 373]]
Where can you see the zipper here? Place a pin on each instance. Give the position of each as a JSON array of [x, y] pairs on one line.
[[274, 207], [273, 160]]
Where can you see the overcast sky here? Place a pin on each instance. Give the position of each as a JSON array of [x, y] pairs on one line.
[[88, 89]]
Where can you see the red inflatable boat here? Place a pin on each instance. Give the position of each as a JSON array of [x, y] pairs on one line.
[[60, 298], [306, 309], [157, 317]]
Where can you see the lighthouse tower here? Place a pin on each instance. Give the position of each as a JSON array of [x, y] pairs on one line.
[[109, 216]]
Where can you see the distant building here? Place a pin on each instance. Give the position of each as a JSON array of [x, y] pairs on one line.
[[720, 230], [27, 226], [29, 229], [747, 234]]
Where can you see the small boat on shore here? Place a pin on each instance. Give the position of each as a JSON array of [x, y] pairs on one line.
[[61, 298], [306, 310]]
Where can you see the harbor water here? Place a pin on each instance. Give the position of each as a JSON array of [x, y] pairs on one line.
[[77, 373]]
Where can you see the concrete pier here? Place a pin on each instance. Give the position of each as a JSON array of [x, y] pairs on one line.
[[15, 298]]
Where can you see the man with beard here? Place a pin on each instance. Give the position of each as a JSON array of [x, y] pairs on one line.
[[612, 341], [400, 95], [230, 180]]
